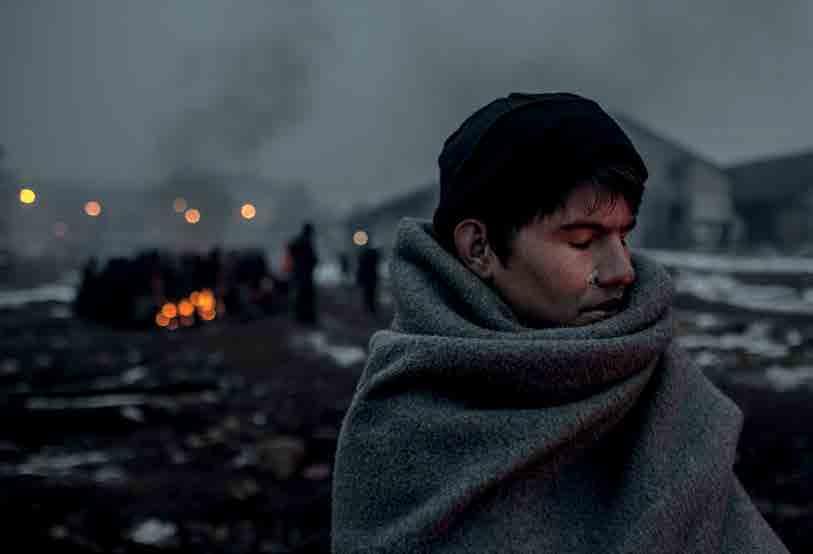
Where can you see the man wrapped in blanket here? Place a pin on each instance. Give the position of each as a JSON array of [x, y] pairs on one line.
[[528, 395]]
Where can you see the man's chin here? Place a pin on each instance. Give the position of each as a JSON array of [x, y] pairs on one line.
[[580, 320], [592, 316]]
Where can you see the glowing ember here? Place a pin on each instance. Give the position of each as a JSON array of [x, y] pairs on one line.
[[161, 320], [206, 301], [185, 308], [169, 310]]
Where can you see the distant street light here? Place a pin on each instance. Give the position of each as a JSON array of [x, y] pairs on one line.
[[360, 238], [248, 211], [27, 196], [192, 216], [93, 208]]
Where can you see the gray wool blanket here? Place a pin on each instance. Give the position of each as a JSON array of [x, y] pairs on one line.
[[471, 433]]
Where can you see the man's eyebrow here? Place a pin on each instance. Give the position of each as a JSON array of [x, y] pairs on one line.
[[594, 226]]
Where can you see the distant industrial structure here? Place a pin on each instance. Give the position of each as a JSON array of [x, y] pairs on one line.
[[688, 202], [775, 197]]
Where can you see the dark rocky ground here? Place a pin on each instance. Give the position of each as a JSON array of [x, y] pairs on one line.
[[221, 438]]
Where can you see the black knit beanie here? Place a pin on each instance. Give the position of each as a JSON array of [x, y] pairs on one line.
[[527, 140]]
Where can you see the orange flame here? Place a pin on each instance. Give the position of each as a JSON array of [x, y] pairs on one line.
[[169, 310]]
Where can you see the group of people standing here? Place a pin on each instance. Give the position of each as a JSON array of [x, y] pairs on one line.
[[300, 263]]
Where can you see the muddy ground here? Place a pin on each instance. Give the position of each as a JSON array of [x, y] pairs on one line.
[[220, 438]]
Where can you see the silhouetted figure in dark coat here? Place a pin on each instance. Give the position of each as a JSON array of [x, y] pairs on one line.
[[367, 276], [211, 273], [344, 267], [86, 302], [304, 260]]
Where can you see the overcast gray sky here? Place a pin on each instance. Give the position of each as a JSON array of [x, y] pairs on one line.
[[356, 97]]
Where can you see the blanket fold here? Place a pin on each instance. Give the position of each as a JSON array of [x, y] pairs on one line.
[[471, 433]]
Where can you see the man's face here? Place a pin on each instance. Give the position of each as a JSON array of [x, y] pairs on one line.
[[571, 267]]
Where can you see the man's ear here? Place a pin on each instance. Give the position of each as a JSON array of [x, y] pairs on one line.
[[472, 247]]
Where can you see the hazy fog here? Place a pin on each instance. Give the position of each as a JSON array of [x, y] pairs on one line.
[[355, 98]]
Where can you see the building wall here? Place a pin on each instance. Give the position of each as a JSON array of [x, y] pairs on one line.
[[775, 196], [687, 203], [791, 224], [713, 222]]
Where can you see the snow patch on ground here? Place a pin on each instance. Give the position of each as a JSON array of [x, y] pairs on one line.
[[44, 293], [783, 379], [755, 340], [328, 274], [59, 464], [728, 290], [153, 532], [777, 378], [343, 355], [721, 263]]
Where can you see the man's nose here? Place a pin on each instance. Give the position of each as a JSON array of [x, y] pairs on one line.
[[616, 269]]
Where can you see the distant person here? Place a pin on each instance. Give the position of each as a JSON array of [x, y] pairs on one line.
[[529, 395], [304, 260], [212, 271], [367, 276], [286, 262], [344, 268], [87, 297]]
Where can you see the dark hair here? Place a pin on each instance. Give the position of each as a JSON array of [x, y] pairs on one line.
[[505, 214], [519, 157]]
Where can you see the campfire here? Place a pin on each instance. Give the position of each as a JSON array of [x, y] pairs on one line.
[[199, 305]]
